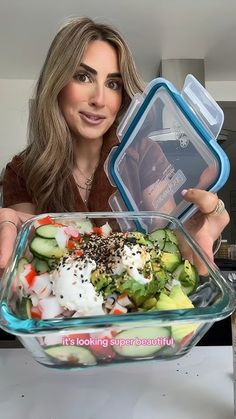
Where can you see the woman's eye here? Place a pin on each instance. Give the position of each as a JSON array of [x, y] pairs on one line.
[[114, 84], [82, 77]]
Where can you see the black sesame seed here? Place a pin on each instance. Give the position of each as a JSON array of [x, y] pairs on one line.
[[61, 296]]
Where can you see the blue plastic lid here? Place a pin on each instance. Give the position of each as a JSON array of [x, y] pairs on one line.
[[167, 144]]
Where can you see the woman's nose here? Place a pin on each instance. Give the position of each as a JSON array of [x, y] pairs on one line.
[[97, 97]]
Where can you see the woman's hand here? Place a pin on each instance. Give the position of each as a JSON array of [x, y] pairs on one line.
[[206, 225], [10, 221]]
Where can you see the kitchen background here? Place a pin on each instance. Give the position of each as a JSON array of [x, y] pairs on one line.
[[167, 37]]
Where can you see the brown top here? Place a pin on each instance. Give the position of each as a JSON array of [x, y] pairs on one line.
[[14, 184], [15, 191]]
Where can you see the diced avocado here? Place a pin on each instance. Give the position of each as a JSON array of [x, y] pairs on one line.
[[150, 303], [165, 302], [170, 261], [177, 299], [84, 226], [135, 348], [100, 280], [161, 276], [139, 237], [179, 331], [71, 354], [187, 274], [180, 298]]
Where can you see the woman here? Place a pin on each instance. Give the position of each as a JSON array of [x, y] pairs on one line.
[[86, 83]]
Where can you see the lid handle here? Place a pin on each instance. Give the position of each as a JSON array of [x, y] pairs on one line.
[[203, 105], [107, 166], [129, 114]]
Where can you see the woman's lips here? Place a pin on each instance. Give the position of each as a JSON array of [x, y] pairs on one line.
[[91, 118]]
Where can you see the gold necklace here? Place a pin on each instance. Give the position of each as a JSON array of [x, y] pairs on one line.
[[86, 189], [88, 179], [88, 182]]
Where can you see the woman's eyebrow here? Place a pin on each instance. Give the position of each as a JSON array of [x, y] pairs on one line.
[[93, 71]]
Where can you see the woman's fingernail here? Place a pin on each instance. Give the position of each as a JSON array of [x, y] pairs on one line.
[[184, 191]]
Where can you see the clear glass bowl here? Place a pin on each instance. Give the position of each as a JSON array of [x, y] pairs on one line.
[[101, 340]]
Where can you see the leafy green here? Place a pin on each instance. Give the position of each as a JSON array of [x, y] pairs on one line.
[[137, 292]]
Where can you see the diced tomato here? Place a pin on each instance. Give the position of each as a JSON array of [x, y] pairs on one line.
[[71, 245], [46, 220], [117, 311], [105, 351], [35, 313], [78, 252], [97, 230], [186, 339], [77, 239], [30, 276]]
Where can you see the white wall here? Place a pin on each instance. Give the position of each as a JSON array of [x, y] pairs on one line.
[[224, 91], [14, 98]]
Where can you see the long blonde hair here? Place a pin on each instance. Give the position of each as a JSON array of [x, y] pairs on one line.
[[48, 160]]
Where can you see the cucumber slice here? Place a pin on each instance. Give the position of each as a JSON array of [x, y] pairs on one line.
[[47, 231], [71, 354], [40, 265], [171, 236], [171, 248], [21, 264], [140, 350], [52, 263], [158, 236], [45, 248], [23, 308]]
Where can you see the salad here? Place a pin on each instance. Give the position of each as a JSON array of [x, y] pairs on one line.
[[82, 270]]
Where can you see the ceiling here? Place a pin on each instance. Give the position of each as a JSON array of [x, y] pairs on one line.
[[154, 29]]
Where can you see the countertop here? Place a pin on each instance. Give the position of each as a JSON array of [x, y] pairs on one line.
[[199, 385]]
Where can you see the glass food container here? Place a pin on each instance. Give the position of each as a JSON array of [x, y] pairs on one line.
[[153, 331]]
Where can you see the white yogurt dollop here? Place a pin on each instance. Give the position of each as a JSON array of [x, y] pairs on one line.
[[73, 289]]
